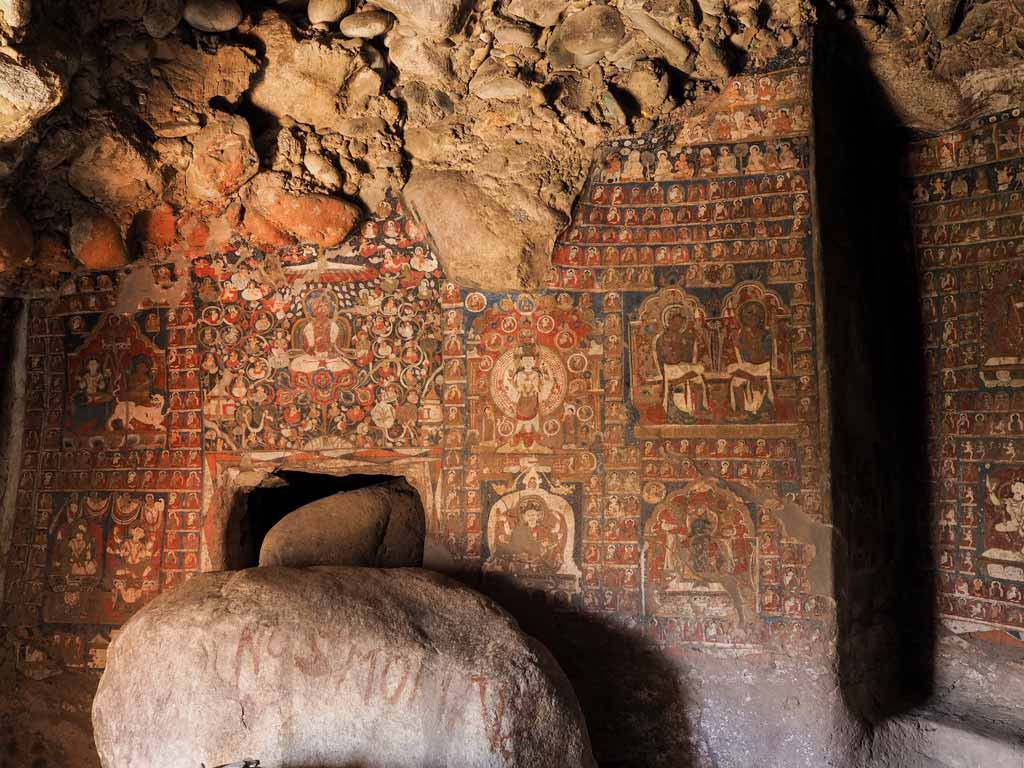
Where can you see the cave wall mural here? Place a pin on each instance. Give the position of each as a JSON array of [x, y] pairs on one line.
[[641, 440], [108, 507], [968, 192], [700, 237]]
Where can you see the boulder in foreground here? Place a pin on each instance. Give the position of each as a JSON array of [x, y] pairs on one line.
[[397, 668], [379, 526]]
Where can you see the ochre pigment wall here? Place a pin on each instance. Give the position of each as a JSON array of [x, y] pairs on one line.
[[719, 410], [635, 452], [967, 189], [968, 192]]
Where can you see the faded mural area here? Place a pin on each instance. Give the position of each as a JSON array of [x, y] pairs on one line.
[[968, 192]]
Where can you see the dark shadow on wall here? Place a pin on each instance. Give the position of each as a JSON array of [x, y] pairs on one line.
[[46, 723], [882, 559], [633, 697], [255, 512], [13, 321]]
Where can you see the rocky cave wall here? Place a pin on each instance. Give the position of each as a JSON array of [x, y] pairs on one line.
[[636, 426], [493, 110]]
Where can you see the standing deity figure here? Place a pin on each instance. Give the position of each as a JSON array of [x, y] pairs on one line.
[[75, 549], [132, 558], [527, 384]]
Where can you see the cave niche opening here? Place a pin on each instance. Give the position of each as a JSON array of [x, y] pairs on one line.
[[255, 510]]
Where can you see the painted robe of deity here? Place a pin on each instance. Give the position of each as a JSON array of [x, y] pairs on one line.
[[93, 397], [527, 386], [75, 554], [320, 341], [680, 349], [750, 385]]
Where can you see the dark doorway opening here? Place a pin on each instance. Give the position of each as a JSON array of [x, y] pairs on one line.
[[881, 480], [256, 510]]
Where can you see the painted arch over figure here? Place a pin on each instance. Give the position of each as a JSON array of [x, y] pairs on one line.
[[755, 346], [752, 305]]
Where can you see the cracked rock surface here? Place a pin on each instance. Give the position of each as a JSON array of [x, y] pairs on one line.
[[299, 633]]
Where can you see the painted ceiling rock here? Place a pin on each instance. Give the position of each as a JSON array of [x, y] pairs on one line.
[[97, 243], [314, 218], [116, 176], [354, 664], [380, 526], [483, 240]]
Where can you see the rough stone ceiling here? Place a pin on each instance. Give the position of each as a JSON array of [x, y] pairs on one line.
[[291, 117]]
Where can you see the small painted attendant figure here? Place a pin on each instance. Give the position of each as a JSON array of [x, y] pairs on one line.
[[93, 397]]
